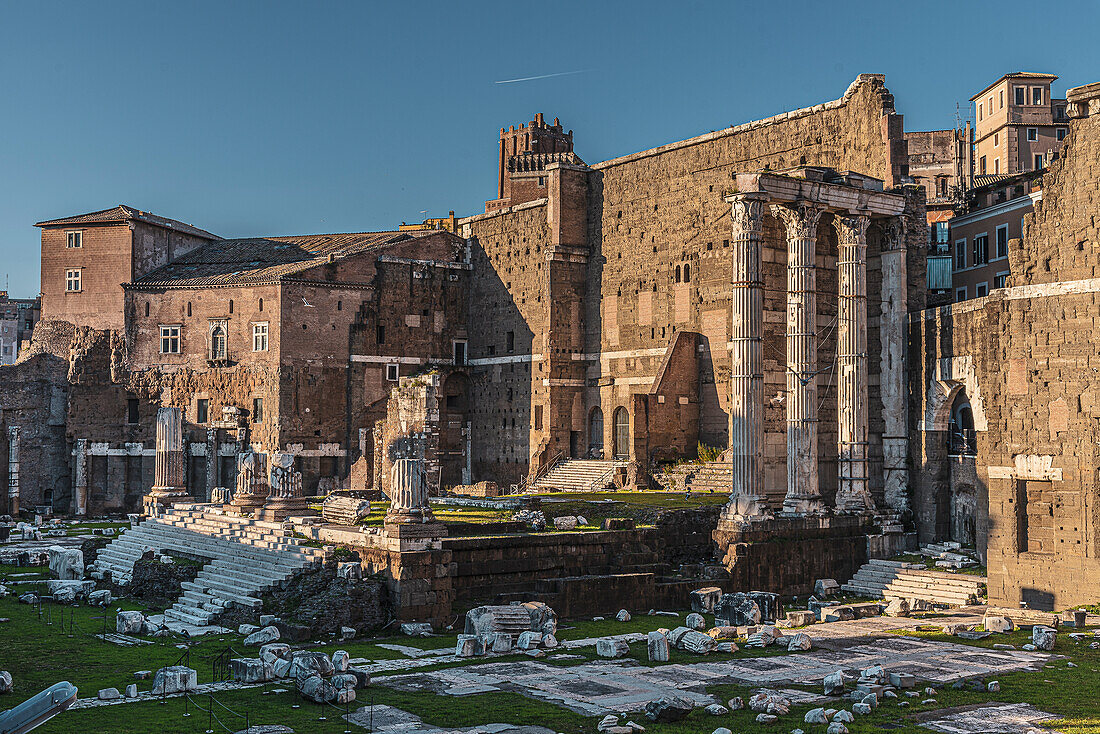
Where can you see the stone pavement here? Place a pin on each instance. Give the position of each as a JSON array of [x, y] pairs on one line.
[[390, 720], [997, 718], [601, 687]]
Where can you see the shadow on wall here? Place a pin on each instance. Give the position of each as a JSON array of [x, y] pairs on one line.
[[1037, 599]]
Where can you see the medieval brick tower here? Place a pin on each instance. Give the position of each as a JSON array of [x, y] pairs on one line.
[[524, 154]]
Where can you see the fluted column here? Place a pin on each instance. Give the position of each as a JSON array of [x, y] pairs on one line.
[[747, 374], [408, 493], [800, 220], [168, 462], [853, 493], [893, 325]]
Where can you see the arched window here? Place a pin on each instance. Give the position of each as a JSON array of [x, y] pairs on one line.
[[146, 308], [188, 309], [677, 273], [687, 273], [595, 432], [962, 439], [622, 433], [230, 305], [261, 304], [217, 342]]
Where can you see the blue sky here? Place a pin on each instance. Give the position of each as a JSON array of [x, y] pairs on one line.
[[264, 118]]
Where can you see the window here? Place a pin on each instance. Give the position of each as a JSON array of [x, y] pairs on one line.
[[230, 305], [996, 165], [1002, 241], [132, 411], [960, 294], [72, 280], [1021, 95], [991, 105], [687, 273], [943, 230], [188, 309], [981, 289], [218, 341], [1060, 133], [960, 254], [259, 337], [1032, 134], [262, 305], [1038, 161], [980, 253], [1036, 95], [999, 280], [996, 140], [146, 308], [460, 352], [510, 341], [257, 410], [538, 417], [1001, 100], [380, 334], [170, 339], [74, 239], [981, 165], [677, 273], [979, 112], [392, 372], [202, 410]]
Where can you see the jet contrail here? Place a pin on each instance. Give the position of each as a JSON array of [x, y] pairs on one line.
[[541, 76]]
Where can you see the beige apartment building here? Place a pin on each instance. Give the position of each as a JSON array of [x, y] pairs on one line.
[[1017, 125]]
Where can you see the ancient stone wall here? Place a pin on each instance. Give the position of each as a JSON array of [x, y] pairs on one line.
[[1026, 359]]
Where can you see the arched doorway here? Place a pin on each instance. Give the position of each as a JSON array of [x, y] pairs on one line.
[[964, 509], [622, 434], [595, 433], [961, 437], [454, 431]]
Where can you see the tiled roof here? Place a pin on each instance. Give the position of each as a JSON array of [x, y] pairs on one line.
[[123, 213], [256, 260]]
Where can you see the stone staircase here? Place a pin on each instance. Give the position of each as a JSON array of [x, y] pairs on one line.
[[245, 558], [714, 476], [883, 579], [577, 475]]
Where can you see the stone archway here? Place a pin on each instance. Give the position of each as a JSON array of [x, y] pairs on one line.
[[621, 434]]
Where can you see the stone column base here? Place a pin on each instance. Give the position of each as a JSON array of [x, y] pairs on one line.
[[160, 499], [278, 508], [247, 503], [741, 510], [793, 507]]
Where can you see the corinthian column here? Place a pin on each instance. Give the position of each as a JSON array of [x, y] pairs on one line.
[[168, 467], [747, 376], [800, 219], [853, 493], [892, 328]]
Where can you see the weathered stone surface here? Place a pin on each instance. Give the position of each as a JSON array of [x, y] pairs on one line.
[[801, 618], [566, 522], [703, 600], [529, 640], [502, 642], [736, 610], [251, 670], [861, 709], [844, 717], [108, 694], [100, 598], [668, 709], [716, 709], [317, 689], [310, 662], [676, 635], [657, 646], [131, 691], [67, 563], [897, 608], [836, 727], [834, 683], [175, 679], [826, 588], [469, 646], [800, 641], [486, 620], [262, 636], [723, 633], [247, 629], [695, 621], [770, 702], [273, 651], [611, 648], [340, 660], [129, 623], [697, 642], [623, 616], [1043, 637], [1002, 625], [416, 629], [5, 681], [771, 608], [815, 716]]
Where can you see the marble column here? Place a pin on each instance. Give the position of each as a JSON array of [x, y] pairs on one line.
[[853, 493], [80, 477], [800, 220], [408, 493], [252, 487], [286, 490], [746, 430], [13, 471], [893, 328], [168, 467]]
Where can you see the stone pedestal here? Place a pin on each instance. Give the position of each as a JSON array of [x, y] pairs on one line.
[[286, 490], [168, 484], [252, 488]]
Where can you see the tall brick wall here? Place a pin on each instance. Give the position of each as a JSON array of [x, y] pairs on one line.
[[657, 261], [1030, 353]]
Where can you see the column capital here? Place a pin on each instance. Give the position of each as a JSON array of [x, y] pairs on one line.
[[852, 227], [747, 210], [896, 229], [800, 218]]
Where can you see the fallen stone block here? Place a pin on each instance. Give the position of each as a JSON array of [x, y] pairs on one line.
[[131, 691], [262, 636], [1000, 625], [697, 642], [129, 623], [815, 716], [658, 648], [469, 646], [529, 640], [703, 600], [501, 642], [801, 641], [247, 629], [109, 694], [611, 648], [695, 621], [668, 709], [566, 522], [1043, 637], [251, 670], [310, 662], [716, 709], [67, 563], [834, 683], [897, 608], [826, 587], [175, 679], [416, 629], [623, 616], [340, 660], [317, 689], [736, 610], [801, 618], [273, 651]]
